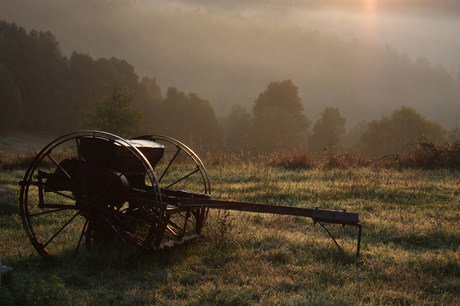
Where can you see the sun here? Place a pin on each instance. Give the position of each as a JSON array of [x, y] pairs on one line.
[[370, 5]]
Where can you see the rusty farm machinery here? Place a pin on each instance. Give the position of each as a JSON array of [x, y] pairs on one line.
[[122, 198]]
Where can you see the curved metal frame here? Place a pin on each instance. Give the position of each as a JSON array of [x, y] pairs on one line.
[[180, 224], [91, 207]]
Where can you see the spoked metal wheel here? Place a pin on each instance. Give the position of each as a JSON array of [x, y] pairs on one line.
[[181, 174], [94, 189]]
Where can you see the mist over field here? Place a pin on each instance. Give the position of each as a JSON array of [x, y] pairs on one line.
[[353, 55]]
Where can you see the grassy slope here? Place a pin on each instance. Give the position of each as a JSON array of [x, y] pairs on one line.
[[410, 252], [21, 141]]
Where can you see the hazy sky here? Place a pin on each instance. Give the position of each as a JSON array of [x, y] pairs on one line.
[[228, 51], [428, 28]]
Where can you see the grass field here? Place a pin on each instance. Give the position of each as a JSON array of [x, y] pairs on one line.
[[22, 141], [410, 253]]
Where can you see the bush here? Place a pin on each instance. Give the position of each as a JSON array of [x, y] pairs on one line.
[[423, 155]]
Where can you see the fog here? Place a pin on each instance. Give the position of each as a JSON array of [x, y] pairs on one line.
[[429, 30], [228, 52]]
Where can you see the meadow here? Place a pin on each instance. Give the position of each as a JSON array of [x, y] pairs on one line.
[[409, 255]]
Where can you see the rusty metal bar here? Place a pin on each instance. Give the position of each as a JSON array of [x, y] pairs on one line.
[[324, 215], [317, 214]]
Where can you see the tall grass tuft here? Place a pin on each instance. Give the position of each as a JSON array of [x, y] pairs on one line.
[[224, 156], [221, 228], [292, 158], [422, 155], [10, 160], [341, 160]]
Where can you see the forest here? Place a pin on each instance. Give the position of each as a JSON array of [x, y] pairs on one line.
[[44, 90]]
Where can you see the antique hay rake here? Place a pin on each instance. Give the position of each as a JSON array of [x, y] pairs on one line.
[[124, 198]]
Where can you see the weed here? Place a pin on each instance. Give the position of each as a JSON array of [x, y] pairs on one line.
[[222, 232]]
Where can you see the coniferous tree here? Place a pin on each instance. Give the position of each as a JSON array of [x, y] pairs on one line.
[[113, 113], [11, 107], [236, 127], [327, 131], [277, 118], [188, 118]]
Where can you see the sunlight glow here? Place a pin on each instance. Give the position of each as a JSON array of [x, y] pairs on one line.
[[371, 19], [370, 6]]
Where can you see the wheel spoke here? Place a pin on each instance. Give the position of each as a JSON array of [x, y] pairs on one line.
[[83, 232], [119, 214], [183, 178], [57, 164], [118, 233], [174, 234], [48, 154], [85, 200], [52, 190], [174, 224], [61, 229], [51, 211], [169, 164], [80, 161], [182, 174], [188, 218]]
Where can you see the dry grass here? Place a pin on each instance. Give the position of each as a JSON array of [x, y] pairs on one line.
[[422, 155], [409, 253], [10, 160], [293, 158]]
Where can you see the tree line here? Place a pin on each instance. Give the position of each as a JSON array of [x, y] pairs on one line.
[[43, 90]]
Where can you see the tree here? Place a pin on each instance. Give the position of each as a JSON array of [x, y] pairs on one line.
[[53, 88], [454, 134], [327, 131], [39, 69], [283, 95], [114, 113], [188, 118], [173, 116], [152, 90], [350, 142], [206, 133], [277, 118], [236, 126], [11, 107], [353, 135], [391, 134], [272, 128]]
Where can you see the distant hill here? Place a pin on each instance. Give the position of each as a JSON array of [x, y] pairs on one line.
[[229, 58]]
